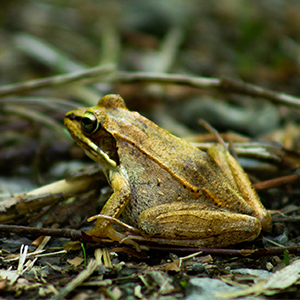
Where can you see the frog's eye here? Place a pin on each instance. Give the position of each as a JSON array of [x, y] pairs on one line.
[[89, 123]]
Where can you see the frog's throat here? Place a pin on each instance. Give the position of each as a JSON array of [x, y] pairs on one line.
[[100, 156]]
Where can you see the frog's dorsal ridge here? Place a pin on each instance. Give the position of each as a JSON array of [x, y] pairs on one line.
[[112, 101]]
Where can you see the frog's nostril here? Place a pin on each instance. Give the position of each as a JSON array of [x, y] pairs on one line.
[[71, 116]]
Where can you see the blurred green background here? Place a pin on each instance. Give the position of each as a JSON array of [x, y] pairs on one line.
[[255, 41]]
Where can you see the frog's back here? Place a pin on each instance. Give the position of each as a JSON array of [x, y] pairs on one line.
[[169, 152], [163, 168]]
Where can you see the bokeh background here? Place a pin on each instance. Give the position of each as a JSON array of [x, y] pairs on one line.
[[255, 41]]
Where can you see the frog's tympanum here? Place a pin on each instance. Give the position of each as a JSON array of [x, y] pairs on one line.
[[171, 191]]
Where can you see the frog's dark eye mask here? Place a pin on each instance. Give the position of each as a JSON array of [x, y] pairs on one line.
[[98, 137]]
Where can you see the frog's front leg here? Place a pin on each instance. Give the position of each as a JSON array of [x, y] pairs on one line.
[[197, 225], [114, 205]]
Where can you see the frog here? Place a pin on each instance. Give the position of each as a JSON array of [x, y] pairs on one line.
[[165, 188]]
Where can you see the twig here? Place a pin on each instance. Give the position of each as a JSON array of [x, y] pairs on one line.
[[37, 116], [75, 235], [86, 273], [230, 252], [22, 258], [213, 131], [106, 258], [55, 80], [240, 87], [226, 85], [45, 195], [258, 150], [276, 182], [291, 219], [22, 205], [197, 82], [36, 254], [24, 230], [181, 259], [115, 221], [79, 235], [273, 242]]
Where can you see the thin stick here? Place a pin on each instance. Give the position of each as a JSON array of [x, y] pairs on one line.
[[276, 182], [55, 80], [231, 252], [78, 235], [115, 221], [197, 82], [86, 273], [227, 85], [24, 230], [213, 131]]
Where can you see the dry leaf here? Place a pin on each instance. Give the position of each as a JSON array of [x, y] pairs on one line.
[[276, 283], [283, 278], [173, 266], [116, 293], [72, 246], [75, 261]]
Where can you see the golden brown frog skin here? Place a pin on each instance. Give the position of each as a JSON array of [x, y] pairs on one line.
[[168, 189]]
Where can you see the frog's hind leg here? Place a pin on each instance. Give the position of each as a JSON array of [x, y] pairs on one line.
[[195, 225], [238, 178]]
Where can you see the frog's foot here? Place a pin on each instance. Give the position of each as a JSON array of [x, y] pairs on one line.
[[116, 235], [127, 227]]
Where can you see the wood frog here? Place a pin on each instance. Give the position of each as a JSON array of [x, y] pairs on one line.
[[171, 191]]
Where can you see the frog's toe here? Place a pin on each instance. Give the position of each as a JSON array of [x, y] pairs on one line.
[[122, 238]]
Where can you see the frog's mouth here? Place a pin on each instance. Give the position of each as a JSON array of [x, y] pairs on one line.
[[96, 154]]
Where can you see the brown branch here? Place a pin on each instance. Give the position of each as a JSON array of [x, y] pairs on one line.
[[80, 182], [225, 85], [231, 252], [290, 219], [55, 80], [77, 235], [66, 233], [72, 234], [240, 87], [147, 77], [276, 182]]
